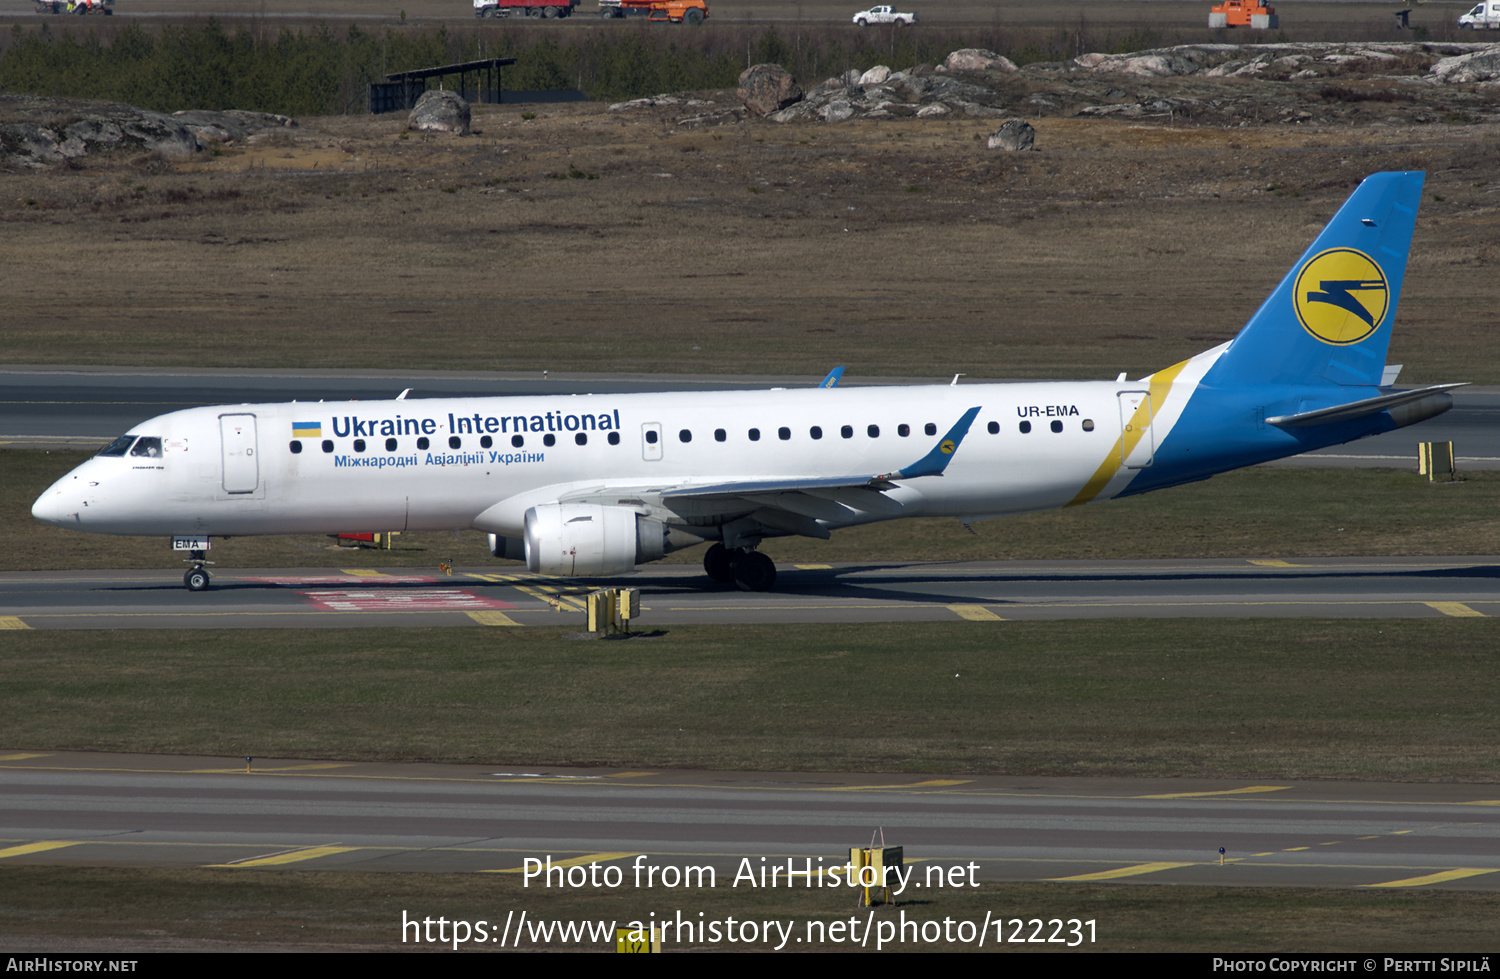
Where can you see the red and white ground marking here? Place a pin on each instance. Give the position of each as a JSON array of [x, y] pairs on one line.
[[378, 596]]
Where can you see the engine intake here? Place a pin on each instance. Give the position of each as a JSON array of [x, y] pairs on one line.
[[585, 539]]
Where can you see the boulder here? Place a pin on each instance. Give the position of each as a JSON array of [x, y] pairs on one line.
[[836, 111], [768, 88], [441, 112], [977, 59], [875, 76], [1014, 135]]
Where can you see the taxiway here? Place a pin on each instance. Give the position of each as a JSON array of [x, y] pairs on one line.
[[99, 809], [502, 596]]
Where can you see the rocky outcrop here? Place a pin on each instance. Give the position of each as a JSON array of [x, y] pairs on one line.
[[1379, 82], [1454, 63], [439, 112], [39, 132], [1465, 69], [765, 89], [230, 125]]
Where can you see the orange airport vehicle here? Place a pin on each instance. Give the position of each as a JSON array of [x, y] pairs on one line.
[[692, 12], [1243, 13]]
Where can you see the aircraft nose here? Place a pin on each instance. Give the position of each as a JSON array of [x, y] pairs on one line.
[[56, 506]]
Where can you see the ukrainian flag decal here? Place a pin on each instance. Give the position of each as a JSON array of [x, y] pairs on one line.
[[1341, 296], [307, 430]]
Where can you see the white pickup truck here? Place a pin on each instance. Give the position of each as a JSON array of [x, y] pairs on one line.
[[1486, 15], [883, 15]]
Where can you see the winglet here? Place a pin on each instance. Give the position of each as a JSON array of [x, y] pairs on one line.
[[935, 461], [832, 380]]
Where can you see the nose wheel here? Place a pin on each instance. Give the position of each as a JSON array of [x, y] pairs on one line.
[[197, 577]]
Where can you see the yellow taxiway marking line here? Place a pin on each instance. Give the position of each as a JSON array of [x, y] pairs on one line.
[[24, 757], [1276, 564], [12, 622], [974, 613], [570, 862], [493, 618], [930, 784], [1457, 874], [293, 856], [813, 567], [573, 597], [1138, 869], [320, 766], [1199, 795], [632, 774], [25, 848], [1455, 609], [365, 573]]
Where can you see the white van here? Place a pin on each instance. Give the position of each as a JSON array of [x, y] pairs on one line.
[[1486, 15]]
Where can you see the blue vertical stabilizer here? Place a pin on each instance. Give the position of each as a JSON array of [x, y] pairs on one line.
[[1329, 321]]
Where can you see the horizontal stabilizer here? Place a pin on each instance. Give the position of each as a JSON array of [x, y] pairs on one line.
[[1370, 406]]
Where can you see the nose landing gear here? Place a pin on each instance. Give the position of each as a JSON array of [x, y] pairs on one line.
[[197, 577]]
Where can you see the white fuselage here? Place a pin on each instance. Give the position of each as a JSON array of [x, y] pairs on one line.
[[438, 464]]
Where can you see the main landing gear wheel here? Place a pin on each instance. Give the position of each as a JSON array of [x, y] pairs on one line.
[[196, 579], [753, 571], [717, 564]]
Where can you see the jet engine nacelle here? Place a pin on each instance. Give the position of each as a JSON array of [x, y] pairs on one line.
[[583, 539]]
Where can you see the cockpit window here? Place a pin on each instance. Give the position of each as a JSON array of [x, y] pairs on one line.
[[148, 447], [118, 447]]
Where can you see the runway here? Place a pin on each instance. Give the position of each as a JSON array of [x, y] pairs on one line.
[[97, 809], [80, 407], [994, 592]]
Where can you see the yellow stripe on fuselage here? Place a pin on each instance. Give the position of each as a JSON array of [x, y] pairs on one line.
[[1161, 384]]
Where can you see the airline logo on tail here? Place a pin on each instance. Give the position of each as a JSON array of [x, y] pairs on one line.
[[1341, 296]]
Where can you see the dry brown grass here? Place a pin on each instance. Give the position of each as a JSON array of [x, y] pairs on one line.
[[583, 239]]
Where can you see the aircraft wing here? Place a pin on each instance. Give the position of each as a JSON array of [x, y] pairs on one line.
[[931, 464], [793, 504]]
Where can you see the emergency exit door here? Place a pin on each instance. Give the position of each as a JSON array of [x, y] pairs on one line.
[[1137, 441]]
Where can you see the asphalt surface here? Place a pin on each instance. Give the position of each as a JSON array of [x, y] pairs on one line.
[[1391, 587], [56, 407], [93, 809]]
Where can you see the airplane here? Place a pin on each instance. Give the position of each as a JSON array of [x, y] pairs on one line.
[[594, 485]]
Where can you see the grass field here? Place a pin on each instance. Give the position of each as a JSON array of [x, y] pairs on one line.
[[1372, 700]]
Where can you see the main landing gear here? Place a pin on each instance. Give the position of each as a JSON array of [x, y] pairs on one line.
[[749, 570], [197, 577]]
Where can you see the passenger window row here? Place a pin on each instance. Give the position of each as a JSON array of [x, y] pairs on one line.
[[685, 435], [456, 442]]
